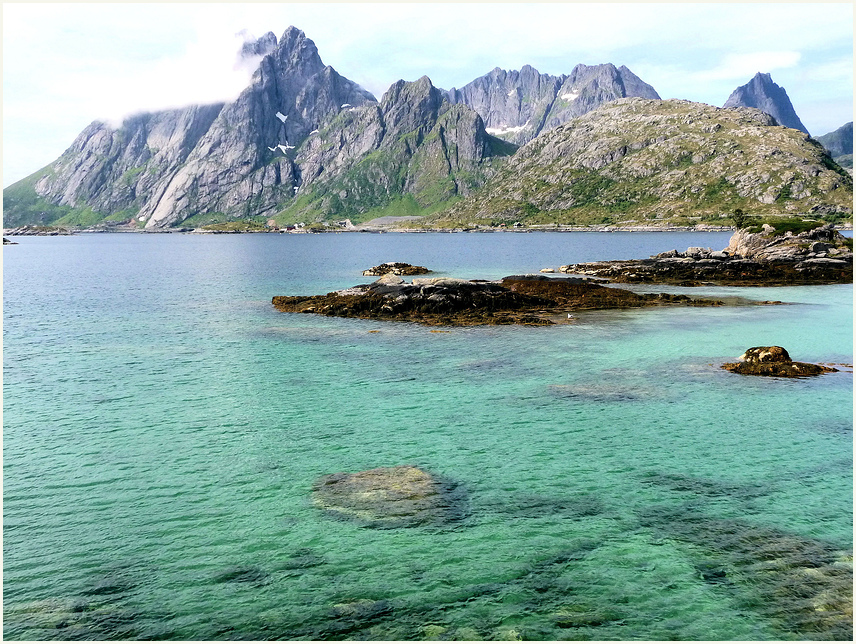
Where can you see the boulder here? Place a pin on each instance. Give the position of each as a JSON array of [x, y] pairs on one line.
[[389, 497], [390, 279], [773, 361]]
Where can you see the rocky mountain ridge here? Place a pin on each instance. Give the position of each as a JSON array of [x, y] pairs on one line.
[[763, 94], [304, 144], [641, 160], [518, 105], [300, 142], [839, 143]]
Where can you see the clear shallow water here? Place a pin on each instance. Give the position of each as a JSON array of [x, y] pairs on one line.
[[163, 426]]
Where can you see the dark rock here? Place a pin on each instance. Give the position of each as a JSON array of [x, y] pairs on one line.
[[241, 574], [389, 497], [751, 259], [774, 361], [530, 300]]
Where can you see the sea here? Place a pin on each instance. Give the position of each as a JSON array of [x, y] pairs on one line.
[[163, 426]]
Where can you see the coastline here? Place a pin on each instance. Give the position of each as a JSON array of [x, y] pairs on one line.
[[381, 229]]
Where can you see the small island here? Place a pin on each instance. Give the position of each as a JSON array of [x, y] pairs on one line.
[[535, 300], [774, 361]]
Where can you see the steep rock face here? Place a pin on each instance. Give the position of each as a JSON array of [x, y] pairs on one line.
[[519, 105], [234, 159], [113, 170], [763, 94], [650, 159], [243, 165], [414, 144]]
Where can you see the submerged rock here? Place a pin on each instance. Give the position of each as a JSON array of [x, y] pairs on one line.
[[518, 299], [774, 361], [396, 268], [805, 585], [389, 497]]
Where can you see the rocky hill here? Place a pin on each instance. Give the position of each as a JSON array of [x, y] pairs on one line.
[[840, 144], [762, 93], [641, 160], [518, 105]]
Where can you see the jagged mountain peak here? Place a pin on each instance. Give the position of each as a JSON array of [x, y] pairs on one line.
[[519, 105], [763, 94]]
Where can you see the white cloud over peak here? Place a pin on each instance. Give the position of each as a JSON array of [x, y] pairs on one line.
[[735, 67]]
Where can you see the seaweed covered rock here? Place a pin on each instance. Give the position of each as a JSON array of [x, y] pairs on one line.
[[773, 361], [769, 257], [396, 268], [520, 299], [389, 497]]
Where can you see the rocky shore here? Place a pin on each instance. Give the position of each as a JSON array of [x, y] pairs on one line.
[[820, 255], [520, 299], [39, 231]]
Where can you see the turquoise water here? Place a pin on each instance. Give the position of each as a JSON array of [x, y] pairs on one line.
[[163, 426]]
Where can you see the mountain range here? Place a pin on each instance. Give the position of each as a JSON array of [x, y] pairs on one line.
[[303, 143]]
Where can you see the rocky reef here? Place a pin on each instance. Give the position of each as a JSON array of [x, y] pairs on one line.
[[767, 257], [518, 299], [774, 361], [37, 231], [396, 268], [389, 497]]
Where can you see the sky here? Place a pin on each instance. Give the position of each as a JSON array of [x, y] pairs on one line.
[[66, 65]]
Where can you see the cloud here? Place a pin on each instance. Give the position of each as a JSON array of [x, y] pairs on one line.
[[745, 66]]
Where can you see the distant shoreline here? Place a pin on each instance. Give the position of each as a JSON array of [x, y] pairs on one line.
[[383, 229]]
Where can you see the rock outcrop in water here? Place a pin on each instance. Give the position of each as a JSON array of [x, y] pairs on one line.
[[820, 255], [389, 497], [773, 361], [396, 268], [521, 299]]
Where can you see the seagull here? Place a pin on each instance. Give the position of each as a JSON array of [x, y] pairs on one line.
[[570, 317]]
